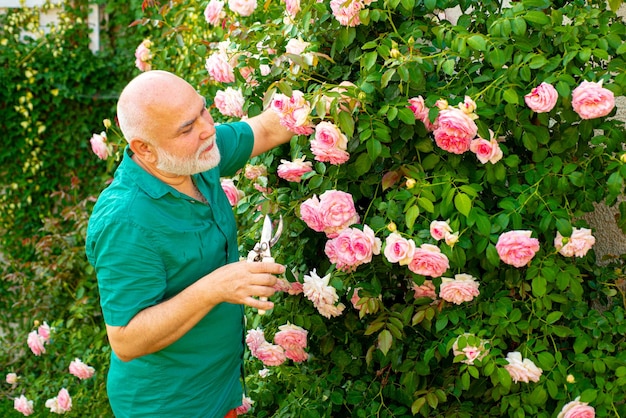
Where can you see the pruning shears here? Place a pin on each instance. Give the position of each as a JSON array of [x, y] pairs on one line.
[[262, 249]]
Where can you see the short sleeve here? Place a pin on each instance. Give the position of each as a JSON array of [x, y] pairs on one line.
[[235, 142], [131, 274]]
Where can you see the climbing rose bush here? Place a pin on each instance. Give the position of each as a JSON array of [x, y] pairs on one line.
[[435, 199]]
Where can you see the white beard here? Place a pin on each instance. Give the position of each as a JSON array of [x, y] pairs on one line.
[[187, 166]]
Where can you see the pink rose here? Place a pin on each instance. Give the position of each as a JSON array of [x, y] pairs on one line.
[[12, 378], [294, 112], [577, 245], [323, 296], [352, 247], [242, 7], [463, 288], [294, 170], [23, 405], [60, 404], [292, 7], [296, 354], [451, 239], [517, 248], [337, 212], [311, 215], [398, 249], [486, 151], [439, 229], [590, 100], [81, 370], [291, 336], [254, 339], [454, 131], [44, 331], [143, 55], [463, 346], [271, 354], [577, 409], [425, 290], [468, 106], [329, 144], [253, 172], [214, 12], [347, 12], [522, 371], [428, 260], [244, 408], [296, 288], [330, 311], [542, 98], [233, 194], [99, 145], [219, 68], [230, 102], [419, 108], [36, 343], [296, 46]]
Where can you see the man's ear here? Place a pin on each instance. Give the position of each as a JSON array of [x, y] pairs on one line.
[[143, 150]]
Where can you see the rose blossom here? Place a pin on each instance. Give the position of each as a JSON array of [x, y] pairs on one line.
[[291, 336], [253, 172], [398, 249], [352, 247], [451, 239], [99, 145], [143, 55], [454, 131], [428, 260], [425, 290], [296, 46], [44, 331], [254, 339], [244, 408], [214, 12], [242, 7], [486, 151], [333, 212], [80, 369], [23, 405], [577, 409], [230, 102], [438, 229], [36, 343], [12, 378], [468, 106], [232, 192], [294, 112], [323, 296], [347, 12], [271, 354], [294, 170], [219, 68], [517, 248], [463, 288], [292, 7], [577, 245], [542, 98], [330, 144], [471, 353], [296, 354], [60, 404], [524, 371], [590, 100]]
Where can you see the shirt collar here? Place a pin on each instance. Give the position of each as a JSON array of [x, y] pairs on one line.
[[152, 186]]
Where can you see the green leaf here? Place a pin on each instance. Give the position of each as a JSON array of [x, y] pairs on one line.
[[535, 16], [385, 339], [463, 203], [553, 317], [510, 96], [417, 405], [539, 286], [411, 216], [387, 77], [477, 42], [373, 148], [369, 59]]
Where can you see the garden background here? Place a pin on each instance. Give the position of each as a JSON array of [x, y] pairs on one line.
[[403, 348]]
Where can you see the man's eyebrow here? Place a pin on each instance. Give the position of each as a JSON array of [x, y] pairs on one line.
[[184, 125]]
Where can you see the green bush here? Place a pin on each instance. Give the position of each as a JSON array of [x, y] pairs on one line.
[[394, 356]]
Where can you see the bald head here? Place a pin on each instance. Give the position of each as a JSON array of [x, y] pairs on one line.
[[147, 100]]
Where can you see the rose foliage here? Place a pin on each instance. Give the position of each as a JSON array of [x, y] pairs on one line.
[[433, 198]]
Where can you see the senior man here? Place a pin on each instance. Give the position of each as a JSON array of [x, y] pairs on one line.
[[163, 241]]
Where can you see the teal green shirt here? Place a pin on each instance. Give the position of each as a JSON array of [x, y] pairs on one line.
[[147, 242]]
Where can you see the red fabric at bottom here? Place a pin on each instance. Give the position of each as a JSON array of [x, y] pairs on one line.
[[231, 414]]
